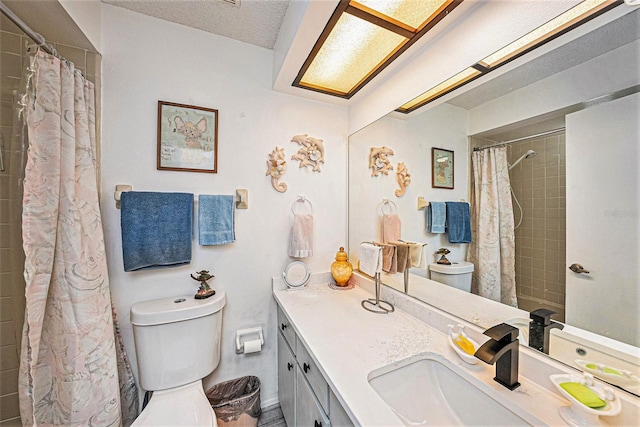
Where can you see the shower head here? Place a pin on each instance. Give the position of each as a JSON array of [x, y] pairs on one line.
[[529, 154]]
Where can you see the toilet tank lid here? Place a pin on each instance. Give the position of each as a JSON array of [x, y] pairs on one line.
[[175, 309], [459, 268]]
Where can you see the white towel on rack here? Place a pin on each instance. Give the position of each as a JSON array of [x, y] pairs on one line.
[[370, 259], [416, 252], [301, 237]]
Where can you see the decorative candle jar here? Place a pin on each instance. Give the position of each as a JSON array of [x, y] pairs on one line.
[[341, 268]]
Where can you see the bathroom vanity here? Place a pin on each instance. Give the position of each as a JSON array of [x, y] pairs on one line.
[[339, 364]]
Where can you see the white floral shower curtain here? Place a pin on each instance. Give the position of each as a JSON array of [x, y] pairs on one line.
[[493, 248], [68, 370]]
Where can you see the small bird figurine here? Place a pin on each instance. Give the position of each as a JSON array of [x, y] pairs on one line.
[[443, 259], [205, 290]]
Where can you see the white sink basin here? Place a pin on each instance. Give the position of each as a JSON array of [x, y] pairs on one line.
[[423, 390]]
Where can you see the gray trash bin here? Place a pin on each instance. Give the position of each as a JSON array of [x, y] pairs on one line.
[[236, 402]]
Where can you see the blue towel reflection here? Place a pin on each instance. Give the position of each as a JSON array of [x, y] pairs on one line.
[[458, 222]]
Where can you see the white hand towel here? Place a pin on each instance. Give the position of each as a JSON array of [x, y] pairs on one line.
[[416, 251], [301, 237], [370, 259]]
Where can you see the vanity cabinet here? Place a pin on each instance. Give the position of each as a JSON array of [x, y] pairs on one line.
[[305, 397]]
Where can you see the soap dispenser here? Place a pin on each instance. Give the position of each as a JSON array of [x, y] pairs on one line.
[[341, 268]]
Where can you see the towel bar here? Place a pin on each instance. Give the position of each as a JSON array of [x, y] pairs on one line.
[[422, 203], [241, 198]]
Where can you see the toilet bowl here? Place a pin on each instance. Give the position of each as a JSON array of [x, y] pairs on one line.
[[177, 343], [457, 275]]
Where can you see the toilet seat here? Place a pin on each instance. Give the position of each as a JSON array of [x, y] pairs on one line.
[[186, 405]]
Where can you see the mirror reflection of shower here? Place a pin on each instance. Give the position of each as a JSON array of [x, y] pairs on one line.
[[529, 154]]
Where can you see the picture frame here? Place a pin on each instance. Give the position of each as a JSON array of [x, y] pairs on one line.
[[442, 163], [187, 138]]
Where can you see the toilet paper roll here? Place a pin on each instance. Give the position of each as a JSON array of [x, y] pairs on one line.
[[252, 346]]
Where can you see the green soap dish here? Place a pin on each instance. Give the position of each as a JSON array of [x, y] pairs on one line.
[[610, 374], [589, 400], [583, 394]]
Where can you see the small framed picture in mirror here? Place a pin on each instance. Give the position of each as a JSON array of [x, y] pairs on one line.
[[441, 168]]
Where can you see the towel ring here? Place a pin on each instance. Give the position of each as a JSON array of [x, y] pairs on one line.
[[391, 204], [302, 200]]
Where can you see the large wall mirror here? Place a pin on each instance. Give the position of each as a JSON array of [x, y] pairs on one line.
[[576, 199]]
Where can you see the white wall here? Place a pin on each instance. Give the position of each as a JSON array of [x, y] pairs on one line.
[[88, 15], [146, 60]]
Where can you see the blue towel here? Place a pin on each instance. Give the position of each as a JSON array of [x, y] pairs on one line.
[[436, 217], [156, 229], [458, 222], [215, 220]]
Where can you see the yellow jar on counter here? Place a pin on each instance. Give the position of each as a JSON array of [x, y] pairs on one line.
[[341, 268]]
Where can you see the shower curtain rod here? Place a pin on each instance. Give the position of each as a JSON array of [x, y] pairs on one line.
[[36, 37], [519, 139]]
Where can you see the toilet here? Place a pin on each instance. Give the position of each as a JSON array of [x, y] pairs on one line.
[[177, 343], [457, 275]]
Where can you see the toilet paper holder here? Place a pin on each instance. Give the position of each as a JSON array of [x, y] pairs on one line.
[[246, 335]]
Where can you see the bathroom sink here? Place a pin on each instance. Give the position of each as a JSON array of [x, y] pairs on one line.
[[422, 390]]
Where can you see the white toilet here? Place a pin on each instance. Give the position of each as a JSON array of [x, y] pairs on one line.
[[177, 343], [457, 275]]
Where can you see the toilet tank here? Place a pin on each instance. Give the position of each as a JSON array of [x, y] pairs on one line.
[[455, 275], [177, 339]]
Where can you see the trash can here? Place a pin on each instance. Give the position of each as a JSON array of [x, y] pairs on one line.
[[236, 402]]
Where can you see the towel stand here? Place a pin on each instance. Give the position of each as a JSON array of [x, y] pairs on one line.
[[422, 203], [241, 198]]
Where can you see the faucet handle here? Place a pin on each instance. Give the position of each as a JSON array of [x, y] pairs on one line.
[[542, 316], [503, 332]]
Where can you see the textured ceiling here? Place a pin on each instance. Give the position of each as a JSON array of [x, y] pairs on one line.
[[255, 22]]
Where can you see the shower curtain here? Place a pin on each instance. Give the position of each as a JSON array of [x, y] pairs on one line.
[[492, 250], [68, 367]]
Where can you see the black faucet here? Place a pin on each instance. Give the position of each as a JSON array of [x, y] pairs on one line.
[[502, 350], [540, 329]]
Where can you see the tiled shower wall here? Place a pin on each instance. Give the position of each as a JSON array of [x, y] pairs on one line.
[[13, 60], [539, 186]]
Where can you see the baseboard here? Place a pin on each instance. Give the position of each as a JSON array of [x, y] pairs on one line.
[[267, 404]]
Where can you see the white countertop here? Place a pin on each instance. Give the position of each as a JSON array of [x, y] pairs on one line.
[[348, 343]]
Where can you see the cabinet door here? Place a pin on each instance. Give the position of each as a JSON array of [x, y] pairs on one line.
[[286, 381], [337, 415], [309, 413], [313, 375], [287, 330]]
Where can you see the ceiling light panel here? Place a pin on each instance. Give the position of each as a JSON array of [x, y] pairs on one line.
[[572, 18], [556, 25], [352, 50], [362, 38], [410, 12], [439, 90]]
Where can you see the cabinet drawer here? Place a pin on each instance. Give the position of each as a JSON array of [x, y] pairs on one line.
[[287, 330], [309, 413], [310, 371]]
